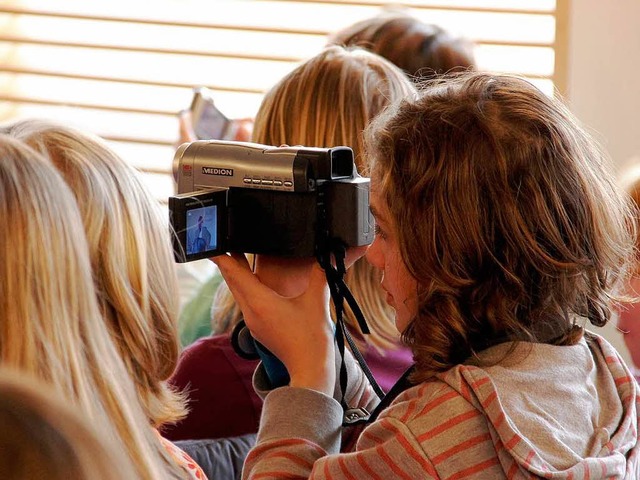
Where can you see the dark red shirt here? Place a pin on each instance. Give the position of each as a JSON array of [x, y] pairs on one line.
[[222, 401]]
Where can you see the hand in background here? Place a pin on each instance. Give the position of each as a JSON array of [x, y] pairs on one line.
[[242, 129]]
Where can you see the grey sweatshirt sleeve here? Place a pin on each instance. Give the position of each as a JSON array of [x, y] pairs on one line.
[[291, 412]]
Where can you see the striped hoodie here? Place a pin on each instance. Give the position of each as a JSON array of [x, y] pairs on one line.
[[556, 412]]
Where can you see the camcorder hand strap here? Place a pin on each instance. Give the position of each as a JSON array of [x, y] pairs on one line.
[[339, 293]]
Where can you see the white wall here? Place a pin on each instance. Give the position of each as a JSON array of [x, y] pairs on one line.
[[604, 81], [604, 72]]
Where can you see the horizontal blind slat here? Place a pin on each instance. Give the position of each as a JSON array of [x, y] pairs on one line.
[[140, 49], [199, 53], [93, 106], [262, 28], [417, 6], [4, 68], [169, 23], [144, 141]]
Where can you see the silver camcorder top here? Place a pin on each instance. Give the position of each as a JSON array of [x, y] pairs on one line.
[[201, 164], [281, 201]]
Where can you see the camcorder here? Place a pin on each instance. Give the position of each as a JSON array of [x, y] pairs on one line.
[[280, 201]]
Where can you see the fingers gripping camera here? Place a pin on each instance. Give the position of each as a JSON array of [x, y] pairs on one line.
[[280, 201]]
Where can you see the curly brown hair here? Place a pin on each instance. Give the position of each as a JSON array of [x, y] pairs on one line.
[[506, 214]]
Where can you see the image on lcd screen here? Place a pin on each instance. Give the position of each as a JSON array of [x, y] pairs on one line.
[[201, 229]]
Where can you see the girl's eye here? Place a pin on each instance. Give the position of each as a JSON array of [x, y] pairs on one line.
[[378, 232]]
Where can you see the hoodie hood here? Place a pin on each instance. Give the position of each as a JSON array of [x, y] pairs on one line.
[[584, 425]]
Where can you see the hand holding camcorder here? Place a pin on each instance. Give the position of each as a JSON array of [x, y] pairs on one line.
[[280, 201]]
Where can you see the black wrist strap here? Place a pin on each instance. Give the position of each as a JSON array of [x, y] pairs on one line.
[[339, 293]]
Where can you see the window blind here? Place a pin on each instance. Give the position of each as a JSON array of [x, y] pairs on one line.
[[123, 69]]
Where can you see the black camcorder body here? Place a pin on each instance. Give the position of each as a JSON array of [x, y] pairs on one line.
[[280, 201]]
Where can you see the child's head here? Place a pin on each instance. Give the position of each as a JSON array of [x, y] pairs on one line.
[[629, 312], [50, 323], [133, 267], [421, 50], [328, 101], [505, 214], [41, 436]]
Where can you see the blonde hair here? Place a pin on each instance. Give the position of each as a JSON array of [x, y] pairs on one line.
[[325, 102], [50, 324], [506, 214], [42, 437], [132, 263]]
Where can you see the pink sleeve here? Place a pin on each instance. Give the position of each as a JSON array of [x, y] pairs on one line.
[[183, 460]]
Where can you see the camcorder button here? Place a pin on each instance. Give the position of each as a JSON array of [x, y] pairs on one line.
[[246, 180], [256, 181], [267, 182], [277, 183], [287, 183]]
